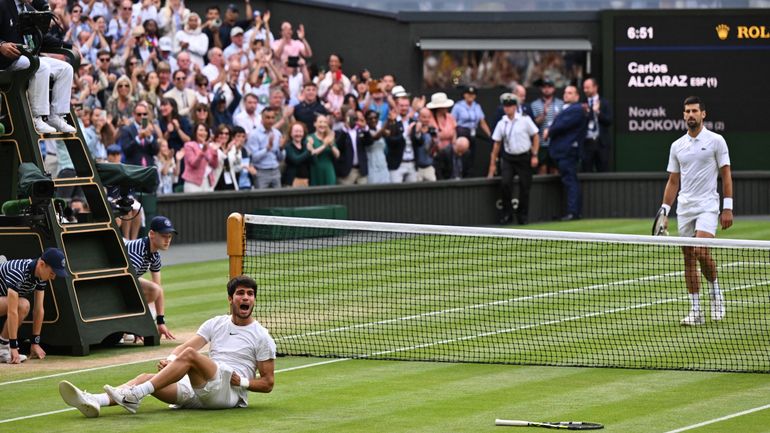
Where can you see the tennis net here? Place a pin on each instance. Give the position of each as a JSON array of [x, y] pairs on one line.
[[350, 289]]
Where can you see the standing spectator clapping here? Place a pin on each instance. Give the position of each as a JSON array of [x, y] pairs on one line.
[[201, 159], [324, 151], [266, 150]]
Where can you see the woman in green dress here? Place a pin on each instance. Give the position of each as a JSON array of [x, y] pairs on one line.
[[324, 151]]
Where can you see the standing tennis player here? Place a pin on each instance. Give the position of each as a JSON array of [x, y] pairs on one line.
[[238, 347], [694, 162]]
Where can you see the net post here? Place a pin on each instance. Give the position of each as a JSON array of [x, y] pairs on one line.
[[235, 240]]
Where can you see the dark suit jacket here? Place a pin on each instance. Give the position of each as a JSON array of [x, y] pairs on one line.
[[605, 121], [344, 164], [444, 160], [9, 28], [133, 150], [396, 145], [567, 132]]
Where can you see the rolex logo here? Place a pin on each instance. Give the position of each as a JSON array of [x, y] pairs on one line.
[[723, 30]]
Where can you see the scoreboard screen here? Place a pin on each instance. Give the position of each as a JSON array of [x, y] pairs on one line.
[[656, 59]]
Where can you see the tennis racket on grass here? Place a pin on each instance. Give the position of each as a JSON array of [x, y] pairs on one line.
[[564, 425], [660, 225]]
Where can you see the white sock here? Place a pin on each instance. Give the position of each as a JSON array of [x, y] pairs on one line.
[[102, 399], [695, 302], [144, 389], [714, 286]]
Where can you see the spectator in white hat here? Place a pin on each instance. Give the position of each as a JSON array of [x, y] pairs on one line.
[[192, 39], [445, 124]]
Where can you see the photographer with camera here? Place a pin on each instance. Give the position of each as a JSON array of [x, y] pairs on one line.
[[138, 139], [210, 27], [41, 104]]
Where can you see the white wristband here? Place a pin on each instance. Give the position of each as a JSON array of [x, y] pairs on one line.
[[727, 203], [171, 358], [244, 383], [666, 208]]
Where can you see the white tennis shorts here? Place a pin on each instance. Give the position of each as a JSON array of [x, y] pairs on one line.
[[704, 222], [216, 394]]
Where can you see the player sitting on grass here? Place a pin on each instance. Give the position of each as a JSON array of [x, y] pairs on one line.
[[238, 347]]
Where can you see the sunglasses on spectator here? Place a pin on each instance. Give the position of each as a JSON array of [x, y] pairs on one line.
[[141, 114], [104, 59], [224, 132], [122, 85], [202, 109], [126, 9], [179, 78]]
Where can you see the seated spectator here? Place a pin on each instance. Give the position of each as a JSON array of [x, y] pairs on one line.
[[185, 64], [425, 142], [138, 139], [324, 151], [120, 106], [168, 171], [453, 162], [375, 154], [230, 160], [286, 47], [176, 129], [445, 124], [201, 159], [185, 98], [297, 172], [164, 76], [248, 175], [192, 39], [309, 106]]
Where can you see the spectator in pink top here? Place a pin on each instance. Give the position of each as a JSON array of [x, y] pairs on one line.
[[287, 47]]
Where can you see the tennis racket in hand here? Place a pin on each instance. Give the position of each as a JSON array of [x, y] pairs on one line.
[[564, 425], [660, 225]]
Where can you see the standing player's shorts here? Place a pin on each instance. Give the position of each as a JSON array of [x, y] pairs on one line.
[[216, 394], [704, 222]]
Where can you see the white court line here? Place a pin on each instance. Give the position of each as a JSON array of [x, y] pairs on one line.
[[724, 418], [489, 304], [53, 412], [505, 301]]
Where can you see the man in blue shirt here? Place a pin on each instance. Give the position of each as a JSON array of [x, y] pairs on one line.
[[19, 279], [264, 143]]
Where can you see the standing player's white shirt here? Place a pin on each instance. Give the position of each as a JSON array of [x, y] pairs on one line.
[[238, 347], [698, 160]]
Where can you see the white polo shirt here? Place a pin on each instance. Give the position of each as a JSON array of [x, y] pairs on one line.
[[515, 134], [698, 161]]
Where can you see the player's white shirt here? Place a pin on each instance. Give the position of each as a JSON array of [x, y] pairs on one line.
[[238, 347], [698, 161]]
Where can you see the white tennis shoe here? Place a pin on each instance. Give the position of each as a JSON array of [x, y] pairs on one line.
[[61, 125], [83, 401], [717, 306], [695, 318], [5, 354], [124, 396]]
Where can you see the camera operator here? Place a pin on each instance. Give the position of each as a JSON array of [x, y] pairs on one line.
[[211, 26], [425, 139], [38, 92]]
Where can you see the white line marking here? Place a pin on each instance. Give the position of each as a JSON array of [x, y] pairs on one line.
[[66, 373], [36, 415], [2, 421], [724, 418]]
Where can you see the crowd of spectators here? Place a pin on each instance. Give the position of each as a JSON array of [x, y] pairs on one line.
[[220, 102]]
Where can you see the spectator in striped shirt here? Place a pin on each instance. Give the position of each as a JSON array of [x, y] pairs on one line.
[[20, 279], [143, 255]]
